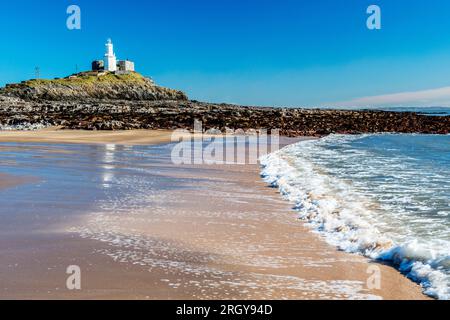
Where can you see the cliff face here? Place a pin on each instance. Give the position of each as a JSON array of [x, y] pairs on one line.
[[88, 86]]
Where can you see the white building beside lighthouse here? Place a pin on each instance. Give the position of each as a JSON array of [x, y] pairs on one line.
[[110, 60]]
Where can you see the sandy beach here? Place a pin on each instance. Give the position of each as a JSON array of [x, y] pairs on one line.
[[55, 135], [141, 227]]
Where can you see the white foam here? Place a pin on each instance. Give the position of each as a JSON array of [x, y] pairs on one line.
[[351, 221]]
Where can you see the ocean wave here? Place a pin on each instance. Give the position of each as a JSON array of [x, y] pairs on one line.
[[350, 220]]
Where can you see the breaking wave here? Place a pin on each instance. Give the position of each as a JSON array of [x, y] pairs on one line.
[[383, 196]]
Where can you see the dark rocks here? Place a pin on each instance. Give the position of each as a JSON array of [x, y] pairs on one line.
[[92, 114]]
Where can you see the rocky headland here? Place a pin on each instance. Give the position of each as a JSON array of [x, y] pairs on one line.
[[123, 102], [93, 85]]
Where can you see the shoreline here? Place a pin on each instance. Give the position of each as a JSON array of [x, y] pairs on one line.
[[229, 237]]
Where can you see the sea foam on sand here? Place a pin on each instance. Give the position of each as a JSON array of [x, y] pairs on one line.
[[351, 221]]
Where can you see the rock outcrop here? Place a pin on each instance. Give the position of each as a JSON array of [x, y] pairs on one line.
[[106, 101], [93, 85], [173, 114]]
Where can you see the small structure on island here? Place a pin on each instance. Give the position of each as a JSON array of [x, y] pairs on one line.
[[110, 62], [98, 65]]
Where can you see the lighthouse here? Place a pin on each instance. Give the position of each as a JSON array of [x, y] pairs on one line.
[[110, 58]]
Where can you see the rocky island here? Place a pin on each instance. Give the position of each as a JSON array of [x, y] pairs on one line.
[[92, 85], [110, 101]]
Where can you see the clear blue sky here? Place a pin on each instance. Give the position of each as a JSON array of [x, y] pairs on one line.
[[285, 52]]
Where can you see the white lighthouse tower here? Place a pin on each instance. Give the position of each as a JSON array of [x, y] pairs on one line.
[[110, 58], [110, 62]]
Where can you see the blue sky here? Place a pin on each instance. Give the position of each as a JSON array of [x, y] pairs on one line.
[[257, 52]]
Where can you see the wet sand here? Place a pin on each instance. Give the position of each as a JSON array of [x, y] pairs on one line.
[[160, 231], [8, 181], [55, 135]]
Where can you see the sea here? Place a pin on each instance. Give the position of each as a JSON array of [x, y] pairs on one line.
[[384, 196], [429, 111]]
